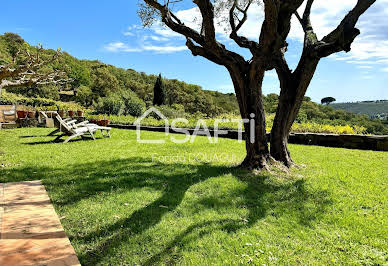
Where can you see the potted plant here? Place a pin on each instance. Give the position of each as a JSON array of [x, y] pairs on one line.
[[93, 120], [80, 112], [30, 112], [21, 113], [39, 110], [99, 119], [61, 111], [105, 122], [71, 113], [52, 108], [102, 121]]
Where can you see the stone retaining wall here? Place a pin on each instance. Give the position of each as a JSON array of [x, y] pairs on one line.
[[362, 142]]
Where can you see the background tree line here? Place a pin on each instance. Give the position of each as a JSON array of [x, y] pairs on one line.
[[112, 90]]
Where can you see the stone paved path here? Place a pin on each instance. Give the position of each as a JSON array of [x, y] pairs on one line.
[[30, 230]]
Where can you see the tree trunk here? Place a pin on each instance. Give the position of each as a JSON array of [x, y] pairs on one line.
[[293, 90], [285, 116], [249, 96], [258, 156]]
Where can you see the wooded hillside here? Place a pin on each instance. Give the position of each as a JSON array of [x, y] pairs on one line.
[[111, 90]]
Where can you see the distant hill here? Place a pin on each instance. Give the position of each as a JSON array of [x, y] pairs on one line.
[[374, 109]]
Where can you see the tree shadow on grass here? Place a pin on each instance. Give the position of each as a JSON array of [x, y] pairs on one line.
[[52, 139], [32, 136], [262, 196], [61, 140]]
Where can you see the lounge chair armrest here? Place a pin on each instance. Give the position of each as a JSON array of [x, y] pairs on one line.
[[82, 123], [71, 122]]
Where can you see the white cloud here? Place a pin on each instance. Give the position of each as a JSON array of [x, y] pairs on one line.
[[122, 47], [156, 38], [164, 49], [271, 74], [370, 48], [365, 67], [165, 32], [371, 45]]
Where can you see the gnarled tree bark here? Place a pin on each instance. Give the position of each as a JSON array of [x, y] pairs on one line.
[[247, 84]]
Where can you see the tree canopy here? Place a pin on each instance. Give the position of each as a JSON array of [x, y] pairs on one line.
[[327, 100]]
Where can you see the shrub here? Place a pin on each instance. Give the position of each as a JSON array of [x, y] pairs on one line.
[[133, 105], [173, 111], [112, 104], [84, 95]]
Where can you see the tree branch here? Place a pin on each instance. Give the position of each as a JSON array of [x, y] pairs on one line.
[[343, 36], [207, 12], [32, 64], [282, 69], [300, 20], [198, 50], [240, 40], [306, 16], [215, 51], [172, 21], [277, 24]]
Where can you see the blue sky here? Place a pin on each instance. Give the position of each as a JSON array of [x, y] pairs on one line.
[[111, 32]]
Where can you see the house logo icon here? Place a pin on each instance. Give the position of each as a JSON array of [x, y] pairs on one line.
[[137, 123]]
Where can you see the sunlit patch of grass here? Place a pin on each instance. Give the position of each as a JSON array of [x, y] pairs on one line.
[[121, 203]]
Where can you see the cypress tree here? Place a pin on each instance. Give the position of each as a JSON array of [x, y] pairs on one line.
[[159, 93]]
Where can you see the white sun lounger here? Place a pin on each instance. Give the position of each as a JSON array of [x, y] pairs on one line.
[[73, 130]]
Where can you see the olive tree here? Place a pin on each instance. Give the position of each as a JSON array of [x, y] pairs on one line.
[[27, 68], [267, 53]]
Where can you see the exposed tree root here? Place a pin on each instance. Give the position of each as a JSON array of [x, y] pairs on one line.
[[261, 164]]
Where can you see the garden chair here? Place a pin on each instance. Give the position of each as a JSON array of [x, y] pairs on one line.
[[44, 118], [71, 128], [57, 122], [74, 124], [87, 124], [72, 132], [11, 112]]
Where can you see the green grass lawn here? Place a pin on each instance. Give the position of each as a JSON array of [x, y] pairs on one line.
[[120, 206]]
